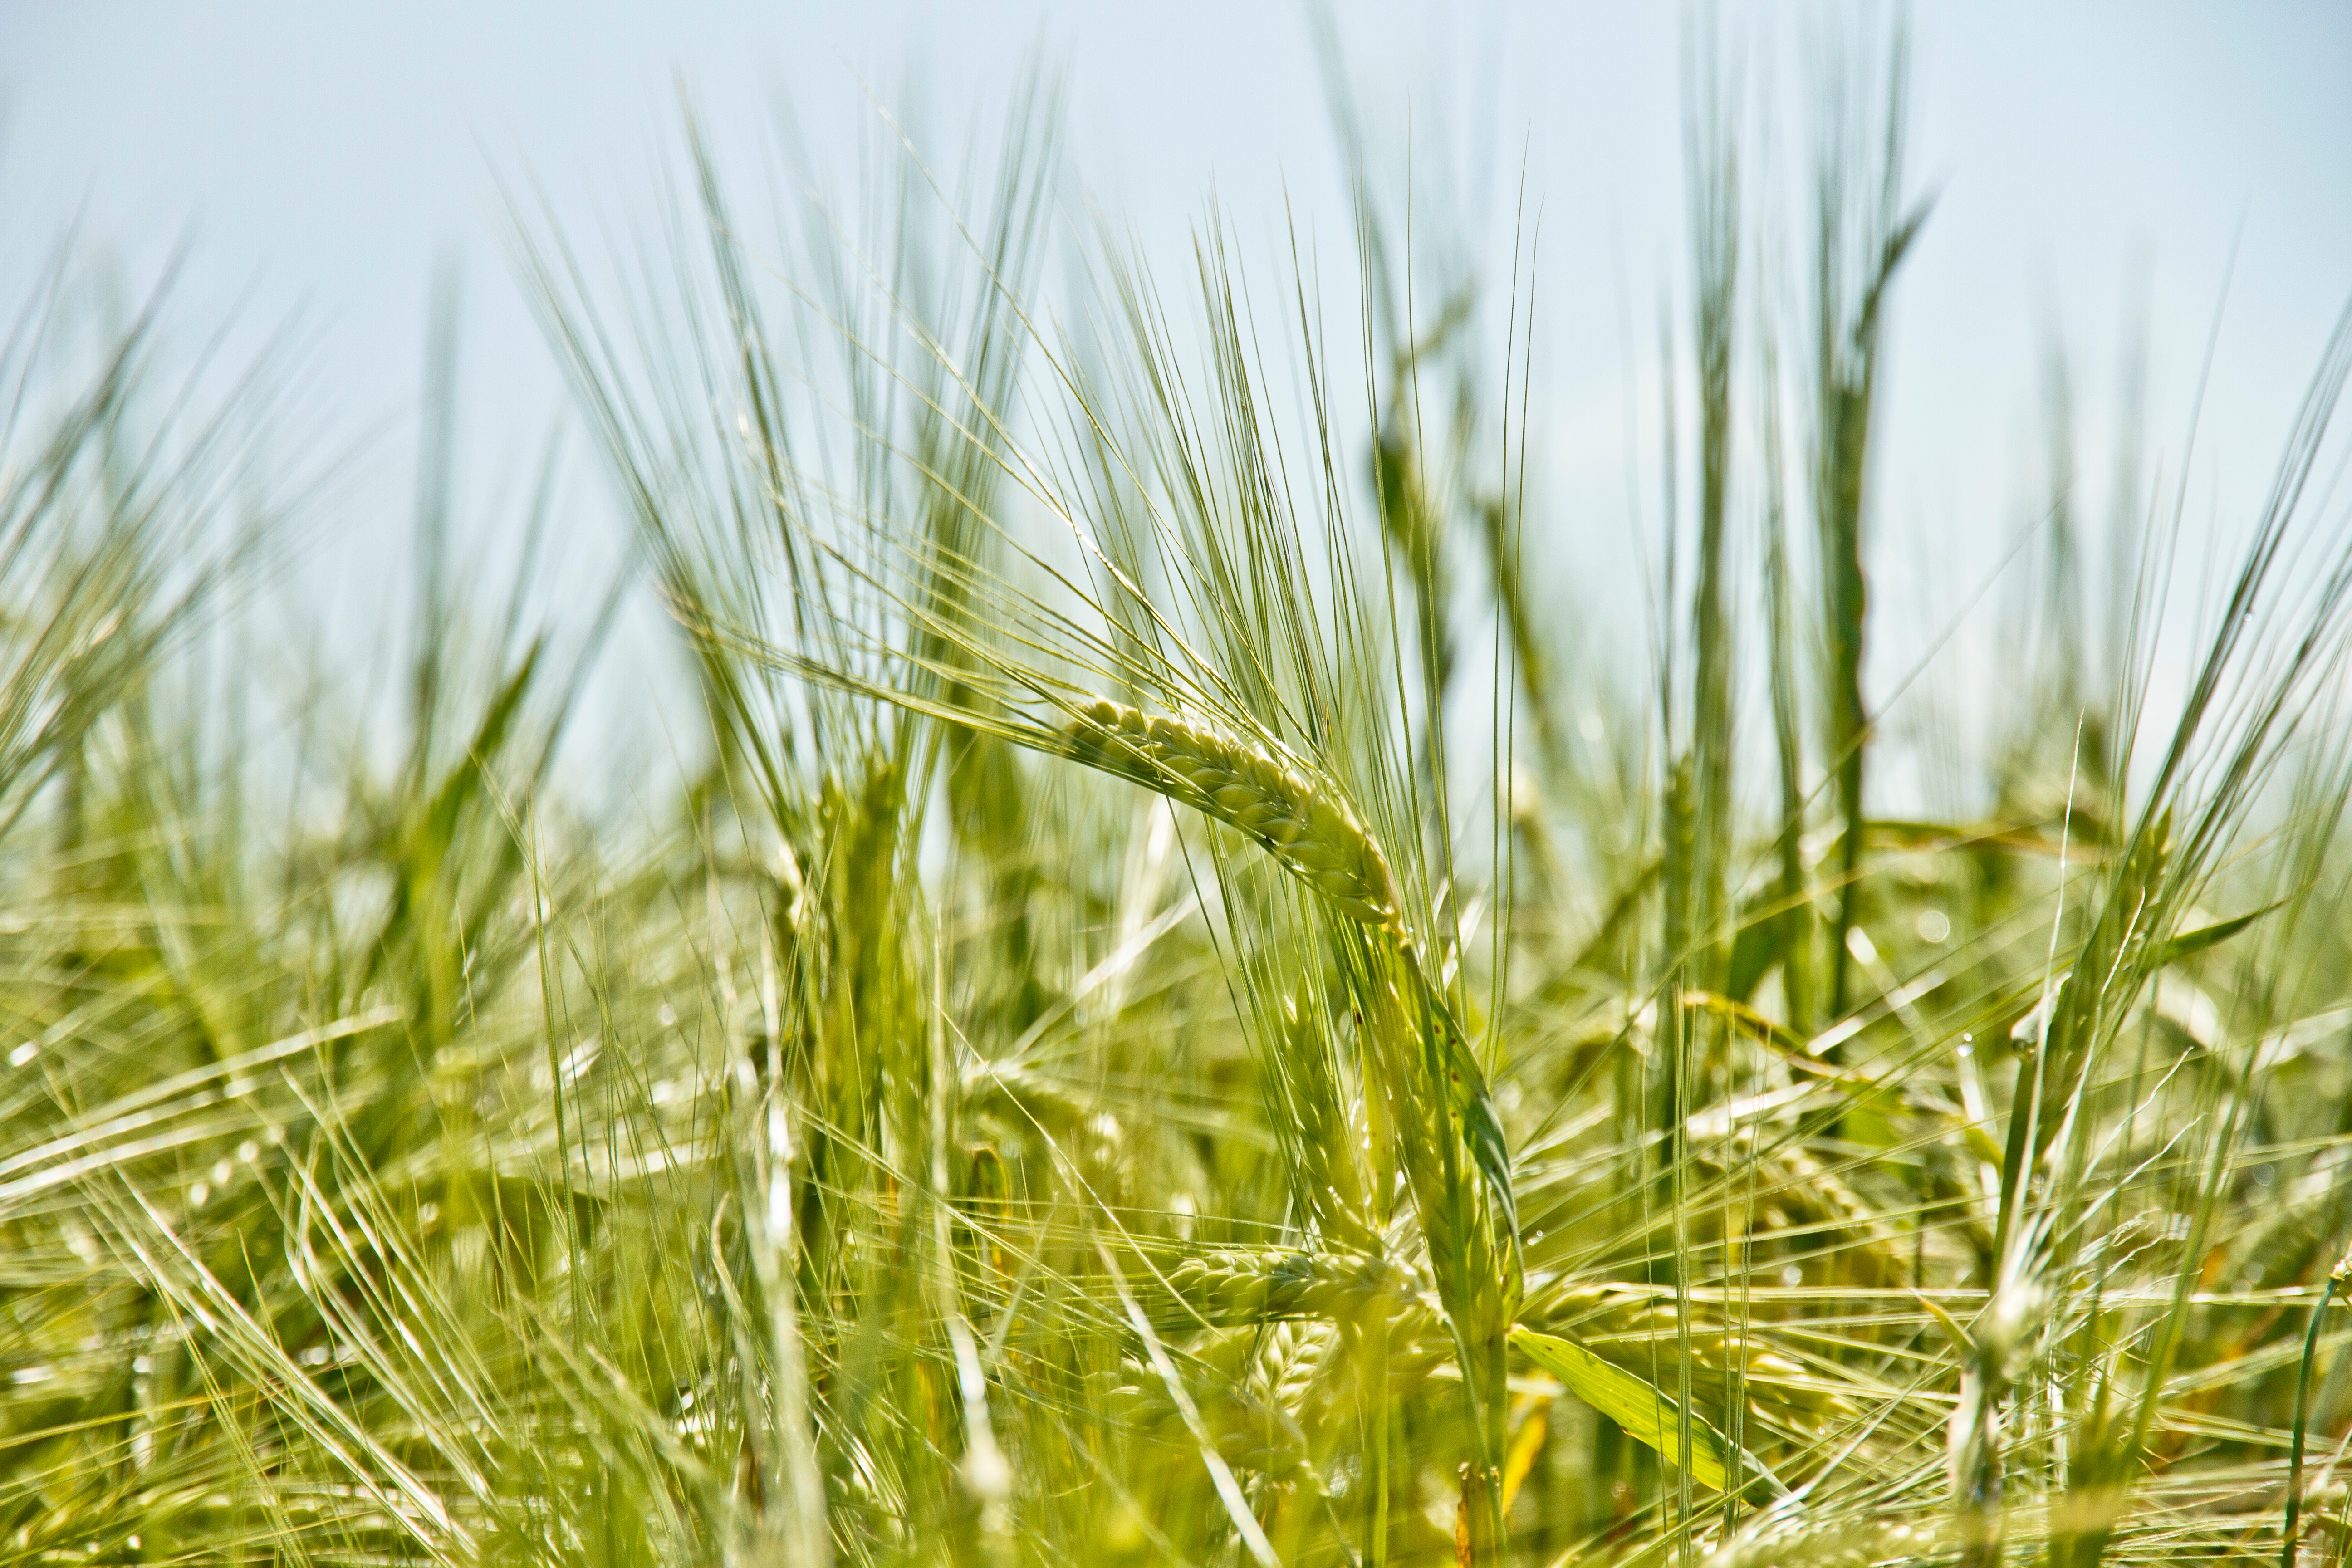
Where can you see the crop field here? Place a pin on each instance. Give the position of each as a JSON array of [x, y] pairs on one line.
[[1176, 1014]]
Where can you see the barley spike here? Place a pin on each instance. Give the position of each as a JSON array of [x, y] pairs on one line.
[[1310, 831]]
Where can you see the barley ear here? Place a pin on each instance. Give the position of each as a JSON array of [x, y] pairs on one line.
[[1305, 826]]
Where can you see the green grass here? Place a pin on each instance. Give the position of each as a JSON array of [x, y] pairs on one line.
[[1152, 1034]]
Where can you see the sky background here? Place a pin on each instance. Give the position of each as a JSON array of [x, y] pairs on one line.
[[2097, 165]]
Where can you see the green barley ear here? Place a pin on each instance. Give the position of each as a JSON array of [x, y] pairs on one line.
[[1312, 833], [1310, 830], [1252, 1285]]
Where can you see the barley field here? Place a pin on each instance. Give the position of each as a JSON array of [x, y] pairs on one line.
[[1176, 1013]]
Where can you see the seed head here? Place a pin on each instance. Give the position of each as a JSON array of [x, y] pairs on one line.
[[1238, 1287], [1307, 828]]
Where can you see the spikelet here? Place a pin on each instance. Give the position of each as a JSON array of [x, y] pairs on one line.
[[1292, 1355], [1311, 832]]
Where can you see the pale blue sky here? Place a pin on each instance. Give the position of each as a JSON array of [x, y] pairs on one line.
[[323, 156]]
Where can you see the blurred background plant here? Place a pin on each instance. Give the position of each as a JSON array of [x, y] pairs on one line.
[[1157, 1026]]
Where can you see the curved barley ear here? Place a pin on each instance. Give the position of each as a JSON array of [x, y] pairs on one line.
[[1308, 829], [1248, 1286]]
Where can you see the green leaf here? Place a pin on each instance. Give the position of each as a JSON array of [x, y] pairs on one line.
[[1648, 1414], [2190, 943]]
